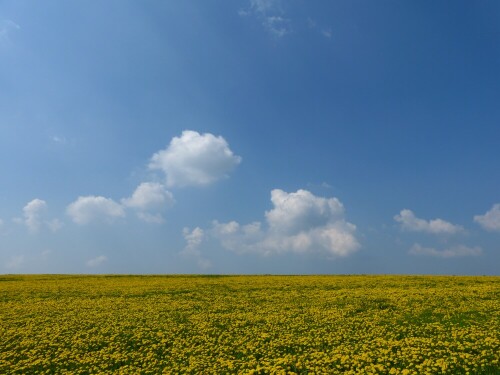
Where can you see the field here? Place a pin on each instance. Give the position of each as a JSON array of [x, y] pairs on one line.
[[249, 324]]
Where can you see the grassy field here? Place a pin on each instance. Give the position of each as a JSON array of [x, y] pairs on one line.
[[249, 324]]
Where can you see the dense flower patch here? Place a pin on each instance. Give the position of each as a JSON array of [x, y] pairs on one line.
[[249, 324]]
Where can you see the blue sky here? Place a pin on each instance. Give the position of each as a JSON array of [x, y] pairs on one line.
[[252, 136]]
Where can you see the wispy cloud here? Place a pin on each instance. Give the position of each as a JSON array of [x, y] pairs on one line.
[[15, 262], [193, 239], [59, 139], [452, 252], [6, 28], [271, 15], [325, 31], [97, 261]]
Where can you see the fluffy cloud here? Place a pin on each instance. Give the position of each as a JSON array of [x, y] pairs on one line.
[[195, 159], [193, 240], [491, 219], [301, 210], [409, 221], [299, 222], [97, 261], [453, 252], [150, 196], [33, 212], [90, 208]]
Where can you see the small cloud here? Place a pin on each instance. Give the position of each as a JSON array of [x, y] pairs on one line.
[[195, 159], [491, 219], [410, 222], [59, 139], [193, 240], [6, 28], [452, 252], [244, 13], [33, 212], [15, 262], [149, 195], [271, 15], [311, 23], [95, 262], [277, 26], [327, 33], [94, 208], [263, 6]]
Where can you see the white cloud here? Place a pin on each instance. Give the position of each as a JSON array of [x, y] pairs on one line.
[[149, 195], [327, 33], [263, 6], [33, 212], [59, 139], [195, 159], [97, 261], [270, 13], [151, 218], [301, 210], [409, 221], [91, 208], [193, 240], [491, 219], [300, 222], [277, 25], [452, 252]]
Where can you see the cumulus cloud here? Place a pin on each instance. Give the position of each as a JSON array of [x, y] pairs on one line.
[[301, 210], [410, 222], [149, 199], [33, 212], [195, 159], [299, 222], [97, 261], [193, 240], [452, 252], [149, 195], [491, 219], [94, 208]]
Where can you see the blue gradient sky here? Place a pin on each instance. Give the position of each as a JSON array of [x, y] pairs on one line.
[[252, 136]]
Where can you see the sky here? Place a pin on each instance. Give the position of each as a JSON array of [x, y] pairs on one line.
[[250, 137]]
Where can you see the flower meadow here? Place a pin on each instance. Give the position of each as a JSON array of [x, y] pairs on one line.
[[249, 324]]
